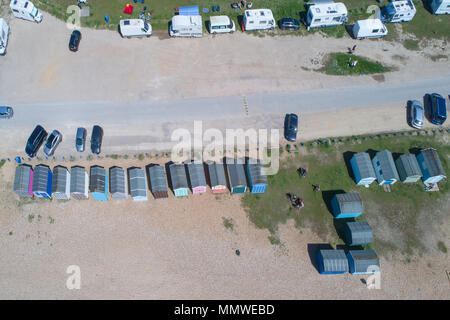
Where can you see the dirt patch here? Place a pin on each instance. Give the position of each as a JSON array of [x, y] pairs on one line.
[[379, 78]]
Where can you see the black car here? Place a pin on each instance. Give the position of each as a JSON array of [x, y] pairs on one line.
[[289, 24], [74, 41], [96, 139], [35, 141], [290, 127]]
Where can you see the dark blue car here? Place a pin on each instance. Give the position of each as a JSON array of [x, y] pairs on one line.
[[289, 24], [438, 109], [290, 127]]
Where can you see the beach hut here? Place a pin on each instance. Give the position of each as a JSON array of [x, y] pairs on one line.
[[257, 179], [346, 205], [79, 183], [357, 233], [363, 261], [61, 183], [408, 168], [362, 169], [236, 176], [118, 183], [215, 174], [98, 183], [138, 184], [158, 184], [431, 166], [384, 166], [332, 261], [178, 179], [23, 181], [197, 179], [42, 182]]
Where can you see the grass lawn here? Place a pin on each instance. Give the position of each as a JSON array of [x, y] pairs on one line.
[[339, 64], [396, 217]]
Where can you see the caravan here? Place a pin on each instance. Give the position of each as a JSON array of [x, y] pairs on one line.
[[135, 28], [186, 26], [4, 32], [25, 10], [369, 28], [221, 24], [258, 19], [440, 6], [326, 14], [398, 11]]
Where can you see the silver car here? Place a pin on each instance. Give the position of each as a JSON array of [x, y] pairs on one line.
[[417, 114], [80, 139], [52, 142]]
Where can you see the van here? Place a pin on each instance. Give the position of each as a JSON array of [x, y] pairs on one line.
[[369, 28], [326, 14], [186, 26], [440, 6], [398, 11], [4, 34], [25, 10], [135, 28], [438, 113], [221, 24], [258, 19]]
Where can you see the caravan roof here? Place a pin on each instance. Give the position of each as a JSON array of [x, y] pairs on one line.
[[328, 7], [181, 21], [402, 6], [258, 13], [370, 24]]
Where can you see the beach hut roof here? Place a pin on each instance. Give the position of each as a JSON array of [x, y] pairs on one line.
[[410, 165], [138, 187], [77, 179], [432, 162], [157, 178], [117, 180], [216, 173], [364, 165], [257, 173], [59, 179], [196, 174], [22, 178], [40, 178], [363, 259], [349, 202], [361, 232], [387, 164], [178, 176], [334, 260], [236, 172], [97, 181]]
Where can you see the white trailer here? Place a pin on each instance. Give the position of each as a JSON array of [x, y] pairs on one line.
[[398, 11], [369, 28], [440, 6], [135, 28], [326, 14], [221, 24], [186, 26], [25, 10], [258, 19], [4, 33]]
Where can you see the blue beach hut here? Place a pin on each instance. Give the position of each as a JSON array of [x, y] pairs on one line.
[[363, 261], [42, 182], [332, 261], [346, 205], [362, 169], [431, 166], [98, 183], [257, 179], [384, 166]]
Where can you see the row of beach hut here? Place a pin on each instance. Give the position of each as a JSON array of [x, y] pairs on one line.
[[182, 177], [355, 261]]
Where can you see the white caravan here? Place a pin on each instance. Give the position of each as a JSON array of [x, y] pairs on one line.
[[221, 24], [398, 11], [326, 14], [25, 10], [135, 28], [369, 28], [258, 19], [4, 32], [440, 6], [186, 26]]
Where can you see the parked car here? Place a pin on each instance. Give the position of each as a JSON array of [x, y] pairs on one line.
[[6, 112], [96, 139], [35, 141], [417, 114], [52, 142], [290, 127], [74, 41], [438, 109], [80, 139], [289, 24]]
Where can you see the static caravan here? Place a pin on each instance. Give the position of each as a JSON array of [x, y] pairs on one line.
[[197, 179], [369, 28], [4, 34], [158, 184], [98, 183], [186, 26], [332, 261], [79, 183], [25, 10], [236, 175], [23, 181], [362, 169], [135, 28], [42, 182], [179, 180], [221, 24], [138, 184], [357, 233], [61, 183], [384, 166], [398, 11], [326, 14], [431, 166], [346, 205], [363, 262], [408, 168], [257, 179], [258, 19], [118, 183], [440, 6], [215, 174]]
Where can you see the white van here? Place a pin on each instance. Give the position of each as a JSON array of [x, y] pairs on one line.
[[258, 19], [398, 11], [4, 33], [135, 28], [326, 15], [369, 28], [25, 10], [186, 26], [440, 6], [221, 24]]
